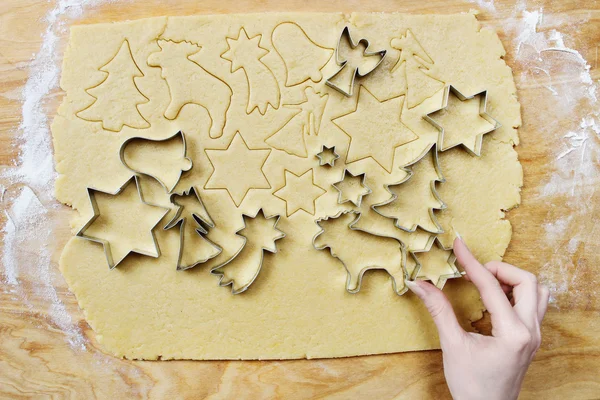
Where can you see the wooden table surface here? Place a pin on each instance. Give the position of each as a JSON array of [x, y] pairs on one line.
[[555, 229]]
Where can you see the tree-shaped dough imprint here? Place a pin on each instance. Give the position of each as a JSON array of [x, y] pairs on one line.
[[259, 235], [303, 58], [117, 97], [246, 53], [190, 83]]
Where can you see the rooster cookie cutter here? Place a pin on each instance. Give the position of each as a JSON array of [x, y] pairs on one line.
[[274, 250], [362, 183], [203, 227], [482, 113], [409, 174], [322, 159], [342, 63], [163, 184], [443, 278], [361, 273], [105, 243]]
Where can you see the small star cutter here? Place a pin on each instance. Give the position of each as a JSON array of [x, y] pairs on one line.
[[451, 261], [409, 174], [245, 241], [364, 270], [321, 156], [203, 227], [482, 112], [342, 64], [105, 243], [362, 183], [179, 133]]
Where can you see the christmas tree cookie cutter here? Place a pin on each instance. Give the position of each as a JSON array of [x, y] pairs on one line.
[[169, 187], [343, 63], [362, 183], [323, 160], [360, 275], [203, 227], [105, 243], [274, 250], [482, 113]]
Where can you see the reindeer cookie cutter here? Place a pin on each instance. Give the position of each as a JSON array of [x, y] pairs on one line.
[[274, 250], [362, 183], [105, 243], [351, 226], [323, 161], [482, 113]]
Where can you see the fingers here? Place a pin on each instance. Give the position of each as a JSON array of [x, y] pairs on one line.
[[440, 309], [543, 297], [491, 292]]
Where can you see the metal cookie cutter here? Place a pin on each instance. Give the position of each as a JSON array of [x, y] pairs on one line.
[[343, 63], [482, 112], [273, 250], [327, 156], [203, 227], [168, 188], [362, 183], [407, 168], [107, 251], [442, 279], [351, 226]]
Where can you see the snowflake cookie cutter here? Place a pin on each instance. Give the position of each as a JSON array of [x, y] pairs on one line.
[[362, 183], [274, 250], [346, 33], [482, 113], [321, 156], [409, 174], [163, 184], [203, 227], [105, 243], [443, 278], [361, 273]]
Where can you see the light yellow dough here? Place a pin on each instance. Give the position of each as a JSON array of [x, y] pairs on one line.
[[249, 93]]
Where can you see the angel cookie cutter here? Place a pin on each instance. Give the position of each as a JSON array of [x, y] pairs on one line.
[[362, 183], [354, 278], [185, 166], [357, 70], [482, 113], [105, 243]]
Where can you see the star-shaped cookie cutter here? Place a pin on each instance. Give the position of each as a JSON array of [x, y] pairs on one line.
[[362, 183], [451, 261], [321, 157], [245, 241], [482, 112], [342, 64], [105, 243]]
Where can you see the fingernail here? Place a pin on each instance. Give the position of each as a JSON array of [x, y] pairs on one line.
[[415, 288]]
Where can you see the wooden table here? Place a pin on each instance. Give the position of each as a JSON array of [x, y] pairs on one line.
[[555, 229]]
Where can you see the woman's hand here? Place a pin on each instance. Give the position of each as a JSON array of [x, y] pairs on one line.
[[490, 367]]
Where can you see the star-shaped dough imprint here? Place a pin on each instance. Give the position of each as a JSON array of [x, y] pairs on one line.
[[375, 129], [462, 121], [327, 156], [352, 188], [123, 222], [237, 169], [299, 192], [435, 264]]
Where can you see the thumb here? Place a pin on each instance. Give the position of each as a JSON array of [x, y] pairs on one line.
[[440, 309]]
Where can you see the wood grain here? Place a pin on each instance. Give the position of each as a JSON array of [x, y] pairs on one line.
[[39, 359]]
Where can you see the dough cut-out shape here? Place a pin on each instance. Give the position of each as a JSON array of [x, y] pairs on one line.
[[435, 264], [360, 251], [352, 188], [299, 192], [327, 156], [304, 59], [110, 229], [306, 121], [164, 160], [414, 199], [117, 97], [462, 120], [190, 83], [246, 53], [259, 234], [237, 169], [375, 129], [194, 222], [416, 63], [355, 60]]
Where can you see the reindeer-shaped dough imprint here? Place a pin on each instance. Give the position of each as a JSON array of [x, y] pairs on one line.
[[189, 83]]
